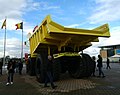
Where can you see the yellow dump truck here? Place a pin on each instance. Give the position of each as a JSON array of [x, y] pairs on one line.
[[51, 38]]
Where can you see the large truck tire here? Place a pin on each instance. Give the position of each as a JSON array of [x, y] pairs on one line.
[[56, 69], [31, 66], [39, 69], [74, 67], [63, 61], [87, 60], [80, 66]]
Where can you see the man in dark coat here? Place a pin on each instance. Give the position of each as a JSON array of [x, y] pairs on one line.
[[10, 68], [99, 65], [94, 66], [108, 64], [48, 73], [20, 67], [1, 64]]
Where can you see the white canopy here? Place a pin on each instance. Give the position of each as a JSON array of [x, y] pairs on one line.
[[116, 55]]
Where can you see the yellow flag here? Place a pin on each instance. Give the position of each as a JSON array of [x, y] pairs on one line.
[[4, 24]]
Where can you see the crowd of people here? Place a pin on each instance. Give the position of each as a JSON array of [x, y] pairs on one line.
[[16, 66], [13, 66], [98, 65]]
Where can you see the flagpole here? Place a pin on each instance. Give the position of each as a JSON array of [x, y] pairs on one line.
[[22, 47], [20, 26], [4, 47]]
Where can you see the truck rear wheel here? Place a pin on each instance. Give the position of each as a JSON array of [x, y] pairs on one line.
[[87, 60], [79, 67]]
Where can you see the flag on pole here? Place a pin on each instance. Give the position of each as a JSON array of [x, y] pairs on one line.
[[19, 25], [25, 43], [29, 35], [4, 24], [35, 28]]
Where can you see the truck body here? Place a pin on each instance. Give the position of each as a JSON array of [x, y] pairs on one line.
[[63, 43]]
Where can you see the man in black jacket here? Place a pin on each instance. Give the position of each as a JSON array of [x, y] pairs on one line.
[[108, 64], [1, 64], [94, 66], [48, 73], [20, 67], [100, 65], [10, 68]]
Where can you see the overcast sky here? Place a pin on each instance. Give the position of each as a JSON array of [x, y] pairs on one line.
[[86, 14]]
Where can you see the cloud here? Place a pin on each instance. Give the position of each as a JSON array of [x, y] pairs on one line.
[[13, 47], [11, 26], [73, 25], [16, 8], [46, 6], [14, 11], [105, 11], [12, 8], [113, 40], [77, 25], [41, 6]]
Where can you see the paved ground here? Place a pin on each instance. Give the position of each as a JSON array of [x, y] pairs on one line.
[[27, 85]]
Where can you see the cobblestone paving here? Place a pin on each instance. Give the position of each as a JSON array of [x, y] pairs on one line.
[[27, 85], [64, 86]]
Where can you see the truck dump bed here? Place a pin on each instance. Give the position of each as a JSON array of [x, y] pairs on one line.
[[50, 33]]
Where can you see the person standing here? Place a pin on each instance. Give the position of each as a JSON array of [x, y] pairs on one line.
[[48, 73], [100, 65], [17, 66], [10, 68], [1, 64], [108, 64], [94, 66], [20, 67]]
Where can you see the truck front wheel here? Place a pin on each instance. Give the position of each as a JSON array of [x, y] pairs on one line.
[[39, 70], [31, 66]]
